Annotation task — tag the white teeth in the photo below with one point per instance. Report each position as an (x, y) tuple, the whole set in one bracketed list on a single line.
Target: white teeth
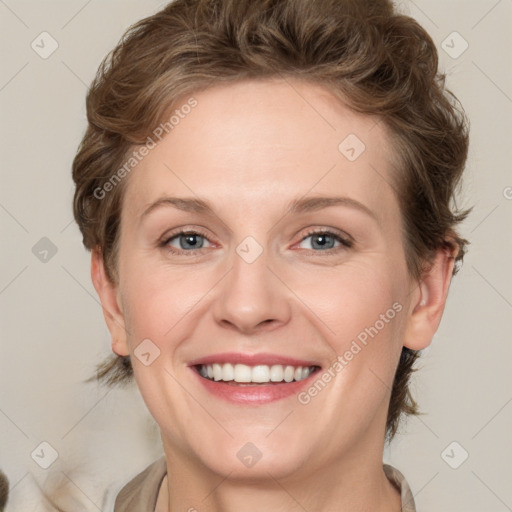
[(261, 373), (258, 374), (276, 373), (242, 373), (228, 372), (217, 372), (289, 372)]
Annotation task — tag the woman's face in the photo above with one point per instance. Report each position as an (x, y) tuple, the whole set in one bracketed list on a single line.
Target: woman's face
[(252, 291)]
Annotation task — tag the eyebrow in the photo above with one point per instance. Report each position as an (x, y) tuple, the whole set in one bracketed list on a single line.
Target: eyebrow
[(302, 205), (312, 204), (187, 204)]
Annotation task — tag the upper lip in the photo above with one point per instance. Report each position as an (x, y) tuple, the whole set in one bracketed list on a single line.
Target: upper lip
[(252, 359)]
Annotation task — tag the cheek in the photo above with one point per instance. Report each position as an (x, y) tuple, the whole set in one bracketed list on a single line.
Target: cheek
[(158, 299), (350, 298), (362, 312), (158, 307)]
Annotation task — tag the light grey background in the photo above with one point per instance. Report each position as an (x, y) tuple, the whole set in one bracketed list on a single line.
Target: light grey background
[(52, 328)]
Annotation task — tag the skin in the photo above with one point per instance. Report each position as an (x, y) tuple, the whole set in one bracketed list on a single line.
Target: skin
[(249, 148)]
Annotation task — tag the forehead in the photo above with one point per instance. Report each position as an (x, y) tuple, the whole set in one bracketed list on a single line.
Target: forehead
[(257, 142)]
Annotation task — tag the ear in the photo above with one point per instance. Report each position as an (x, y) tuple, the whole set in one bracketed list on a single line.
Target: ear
[(429, 299), (108, 294)]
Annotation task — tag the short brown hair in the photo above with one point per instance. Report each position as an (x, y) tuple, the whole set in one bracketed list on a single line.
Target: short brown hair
[(379, 61)]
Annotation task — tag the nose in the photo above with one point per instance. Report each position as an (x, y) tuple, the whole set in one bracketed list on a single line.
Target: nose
[(252, 297)]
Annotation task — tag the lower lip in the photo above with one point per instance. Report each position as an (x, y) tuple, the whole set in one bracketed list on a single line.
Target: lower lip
[(253, 394)]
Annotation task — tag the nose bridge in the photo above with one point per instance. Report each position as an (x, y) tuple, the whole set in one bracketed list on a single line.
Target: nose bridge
[(251, 294)]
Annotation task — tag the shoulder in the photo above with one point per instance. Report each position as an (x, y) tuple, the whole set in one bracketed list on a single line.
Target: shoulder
[(401, 484), (141, 492)]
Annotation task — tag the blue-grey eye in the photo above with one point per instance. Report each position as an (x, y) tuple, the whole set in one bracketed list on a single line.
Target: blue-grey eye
[(324, 240), (187, 241)]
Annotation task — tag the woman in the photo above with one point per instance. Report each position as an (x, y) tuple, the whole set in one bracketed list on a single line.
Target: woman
[(266, 189)]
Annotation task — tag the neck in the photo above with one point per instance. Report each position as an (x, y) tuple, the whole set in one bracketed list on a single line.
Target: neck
[(357, 483)]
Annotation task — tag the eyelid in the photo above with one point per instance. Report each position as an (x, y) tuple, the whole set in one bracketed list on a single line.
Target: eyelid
[(345, 237), (182, 231)]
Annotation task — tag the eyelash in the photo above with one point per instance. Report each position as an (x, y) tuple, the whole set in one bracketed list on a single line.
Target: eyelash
[(346, 243)]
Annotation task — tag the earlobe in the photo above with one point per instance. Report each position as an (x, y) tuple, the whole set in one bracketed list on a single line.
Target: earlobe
[(108, 295), (429, 301)]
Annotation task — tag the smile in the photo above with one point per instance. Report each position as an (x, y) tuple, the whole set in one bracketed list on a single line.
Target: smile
[(258, 374), (253, 379)]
